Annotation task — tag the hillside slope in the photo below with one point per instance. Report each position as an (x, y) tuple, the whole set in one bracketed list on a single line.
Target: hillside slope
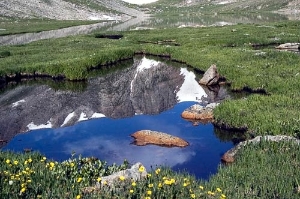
[(67, 9)]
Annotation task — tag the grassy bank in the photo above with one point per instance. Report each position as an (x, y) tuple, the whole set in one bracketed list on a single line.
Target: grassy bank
[(267, 170)]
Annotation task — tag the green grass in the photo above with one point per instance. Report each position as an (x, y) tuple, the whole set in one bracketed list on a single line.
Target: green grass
[(266, 170), (254, 175), (31, 175)]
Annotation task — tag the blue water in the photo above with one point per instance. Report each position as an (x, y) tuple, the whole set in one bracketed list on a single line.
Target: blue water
[(110, 140)]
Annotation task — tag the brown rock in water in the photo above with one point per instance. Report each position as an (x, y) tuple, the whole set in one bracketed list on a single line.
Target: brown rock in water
[(198, 112), (210, 77), (145, 137)]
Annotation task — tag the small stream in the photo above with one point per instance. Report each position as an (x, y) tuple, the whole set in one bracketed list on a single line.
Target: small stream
[(98, 119)]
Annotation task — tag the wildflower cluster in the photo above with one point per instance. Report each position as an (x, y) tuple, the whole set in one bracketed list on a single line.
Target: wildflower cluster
[(34, 176)]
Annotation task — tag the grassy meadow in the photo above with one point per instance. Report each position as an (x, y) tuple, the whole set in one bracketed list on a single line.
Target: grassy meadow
[(265, 170)]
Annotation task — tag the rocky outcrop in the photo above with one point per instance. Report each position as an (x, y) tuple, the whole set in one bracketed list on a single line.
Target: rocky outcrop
[(210, 77), (198, 112), (145, 137), (228, 157)]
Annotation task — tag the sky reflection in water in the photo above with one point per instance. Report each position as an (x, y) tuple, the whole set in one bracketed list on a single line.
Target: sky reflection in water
[(110, 140)]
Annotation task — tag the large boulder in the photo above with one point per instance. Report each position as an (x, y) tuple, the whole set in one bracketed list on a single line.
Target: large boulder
[(210, 77), (145, 137), (198, 112)]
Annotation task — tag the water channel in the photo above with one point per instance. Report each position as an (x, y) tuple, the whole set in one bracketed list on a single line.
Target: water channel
[(98, 119)]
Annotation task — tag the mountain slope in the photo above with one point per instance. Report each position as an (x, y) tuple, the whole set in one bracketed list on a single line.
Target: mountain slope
[(67, 10)]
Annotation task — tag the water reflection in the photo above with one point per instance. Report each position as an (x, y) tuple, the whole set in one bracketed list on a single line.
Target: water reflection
[(146, 87), (109, 139)]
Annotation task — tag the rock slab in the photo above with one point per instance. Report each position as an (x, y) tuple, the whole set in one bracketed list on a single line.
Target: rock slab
[(145, 137), (210, 77), (198, 112)]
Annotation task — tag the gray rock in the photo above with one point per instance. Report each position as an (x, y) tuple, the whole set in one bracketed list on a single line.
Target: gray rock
[(133, 174), (211, 76)]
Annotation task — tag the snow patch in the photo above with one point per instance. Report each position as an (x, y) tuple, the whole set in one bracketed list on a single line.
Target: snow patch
[(32, 126), (190, 89), (98, 115), (68, 118), (18, 103), (82, 117)]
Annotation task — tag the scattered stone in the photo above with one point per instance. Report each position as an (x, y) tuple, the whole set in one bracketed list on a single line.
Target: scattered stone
[(145, 137), (198, 112), (211, 76), (134, 173), (289, 46), (228, 157)]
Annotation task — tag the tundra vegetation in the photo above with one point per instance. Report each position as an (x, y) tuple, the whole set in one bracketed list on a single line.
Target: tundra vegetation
[(245, 56)]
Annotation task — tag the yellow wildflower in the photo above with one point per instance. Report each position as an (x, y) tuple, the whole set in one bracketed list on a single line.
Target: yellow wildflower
[(26, 162), (149, 192), (172, 181), (133, 184), (193, 196), (160, 185), (185, 184), (52, 164), (201, 187), (223, 196), (147, 197), (219, 190), (157, 171), (99, 179), (23, 185), (16, 162), (79, 179), (39, 196), (141, 169), (131, 191), (149, 175), (29, 180), (23, 190), (29, 160), (7, 161), (150, 185), (122, 178), (72, 164), (78, 196)]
